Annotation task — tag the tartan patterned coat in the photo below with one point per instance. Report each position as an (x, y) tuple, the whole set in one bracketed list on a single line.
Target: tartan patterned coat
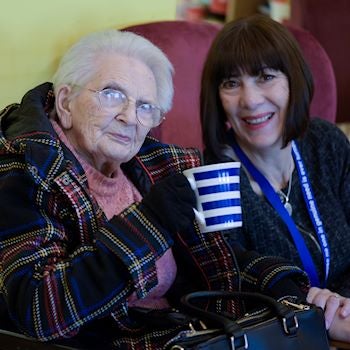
[(65, 267)]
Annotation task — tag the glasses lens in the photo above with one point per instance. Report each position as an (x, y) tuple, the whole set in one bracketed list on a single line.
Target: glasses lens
[(149, 115), (111, 98)]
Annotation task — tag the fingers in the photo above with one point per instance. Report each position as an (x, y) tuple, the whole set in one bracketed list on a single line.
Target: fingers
[(332, 305), (340, 328), (344, 307), (328, 301), (320, 296), (313, 291)]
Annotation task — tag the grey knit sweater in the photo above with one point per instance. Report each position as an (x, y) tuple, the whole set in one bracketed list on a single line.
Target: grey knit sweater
[(326, 154)]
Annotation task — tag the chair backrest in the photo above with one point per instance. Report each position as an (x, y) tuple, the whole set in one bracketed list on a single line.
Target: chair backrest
[(324, 102), (187, 43), (328, 21)]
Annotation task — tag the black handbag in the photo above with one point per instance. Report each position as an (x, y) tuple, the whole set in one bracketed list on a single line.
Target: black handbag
[(280, 325)]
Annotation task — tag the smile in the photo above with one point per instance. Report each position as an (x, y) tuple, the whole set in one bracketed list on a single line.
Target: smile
[(260, 120)]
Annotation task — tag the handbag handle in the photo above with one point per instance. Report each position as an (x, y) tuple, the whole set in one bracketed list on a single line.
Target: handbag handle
[(285, 314)]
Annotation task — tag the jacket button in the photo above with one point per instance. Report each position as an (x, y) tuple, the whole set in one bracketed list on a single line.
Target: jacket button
[(66, 180), (33, 170)]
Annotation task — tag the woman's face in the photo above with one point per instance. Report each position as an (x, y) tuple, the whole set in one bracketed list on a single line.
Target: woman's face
[(108, 137), (256, 107)]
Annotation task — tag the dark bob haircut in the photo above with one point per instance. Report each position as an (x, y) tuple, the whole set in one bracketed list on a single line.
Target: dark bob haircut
[(247, 45)]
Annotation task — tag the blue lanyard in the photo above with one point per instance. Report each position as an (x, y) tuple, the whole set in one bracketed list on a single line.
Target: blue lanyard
[(275, 201), (310, 201)]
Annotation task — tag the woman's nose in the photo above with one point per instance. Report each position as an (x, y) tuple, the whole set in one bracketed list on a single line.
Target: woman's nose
[(251, 96), (128, 113)]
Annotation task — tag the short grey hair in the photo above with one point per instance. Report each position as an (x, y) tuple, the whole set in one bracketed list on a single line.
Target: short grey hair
[(77, 66)]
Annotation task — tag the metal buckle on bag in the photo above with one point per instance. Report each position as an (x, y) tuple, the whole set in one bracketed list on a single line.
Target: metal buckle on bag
[(232, 339), (299, 306), (285, 326), (193, 328)]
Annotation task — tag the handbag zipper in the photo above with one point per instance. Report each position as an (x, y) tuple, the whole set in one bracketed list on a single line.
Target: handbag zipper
[(188, 335), (296, 306), (264, 314), (252, 318)]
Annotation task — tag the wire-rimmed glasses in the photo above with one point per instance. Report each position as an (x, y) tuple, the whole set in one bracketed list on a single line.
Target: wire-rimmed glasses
[(147, 114)]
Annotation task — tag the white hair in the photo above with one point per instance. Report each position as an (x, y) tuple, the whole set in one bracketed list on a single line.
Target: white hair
[(78, 64)]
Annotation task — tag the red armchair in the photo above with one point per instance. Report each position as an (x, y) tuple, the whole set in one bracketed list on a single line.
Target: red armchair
[(186, 45), (328, 21)]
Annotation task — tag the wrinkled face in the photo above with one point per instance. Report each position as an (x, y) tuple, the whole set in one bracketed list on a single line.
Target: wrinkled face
[(107, 137), (256, 107)]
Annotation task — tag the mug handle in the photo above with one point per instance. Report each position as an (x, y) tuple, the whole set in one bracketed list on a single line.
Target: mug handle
[(192, 183), (199, 216)]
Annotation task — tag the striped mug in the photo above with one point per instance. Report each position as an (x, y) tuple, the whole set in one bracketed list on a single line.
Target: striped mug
[(217, 189)]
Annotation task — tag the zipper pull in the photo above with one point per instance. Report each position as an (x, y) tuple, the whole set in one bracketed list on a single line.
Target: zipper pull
[(296, 306)]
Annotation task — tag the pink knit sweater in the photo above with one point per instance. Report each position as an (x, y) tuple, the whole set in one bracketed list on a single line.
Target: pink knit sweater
[(114, 194)]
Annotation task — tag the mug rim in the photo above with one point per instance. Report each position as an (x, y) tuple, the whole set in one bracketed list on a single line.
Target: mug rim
[(216, 166)]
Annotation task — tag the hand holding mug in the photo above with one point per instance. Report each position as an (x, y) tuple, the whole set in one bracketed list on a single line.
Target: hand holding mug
[(171, 202)]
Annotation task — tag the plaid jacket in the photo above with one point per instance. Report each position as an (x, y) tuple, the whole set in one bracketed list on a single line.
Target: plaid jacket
[(64, 265)]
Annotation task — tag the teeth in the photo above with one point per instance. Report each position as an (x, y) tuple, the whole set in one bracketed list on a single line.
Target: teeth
[(259, 120)]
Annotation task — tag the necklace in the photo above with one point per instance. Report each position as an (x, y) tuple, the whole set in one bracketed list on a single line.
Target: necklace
[(285, 197)]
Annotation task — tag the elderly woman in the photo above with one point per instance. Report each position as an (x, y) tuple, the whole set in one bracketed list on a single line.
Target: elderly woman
[(255, 98), (97, 218)]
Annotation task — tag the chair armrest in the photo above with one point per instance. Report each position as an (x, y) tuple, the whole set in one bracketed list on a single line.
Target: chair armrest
[(339, 344)]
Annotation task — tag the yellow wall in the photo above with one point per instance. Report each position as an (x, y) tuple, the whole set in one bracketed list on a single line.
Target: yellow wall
[(35, 33)]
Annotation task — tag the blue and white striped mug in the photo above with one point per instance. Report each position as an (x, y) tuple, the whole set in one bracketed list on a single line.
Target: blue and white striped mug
[(217, 189)]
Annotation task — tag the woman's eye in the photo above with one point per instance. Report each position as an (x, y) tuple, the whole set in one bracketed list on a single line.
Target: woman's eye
[(146, 107), (113, 94), (267, 77), (268, 74), (229, 84)]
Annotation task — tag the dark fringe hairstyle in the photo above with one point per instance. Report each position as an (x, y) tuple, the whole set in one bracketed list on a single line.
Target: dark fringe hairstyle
[(247, 45)]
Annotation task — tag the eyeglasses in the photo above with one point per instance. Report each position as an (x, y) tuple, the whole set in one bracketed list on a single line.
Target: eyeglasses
[(147, 114)]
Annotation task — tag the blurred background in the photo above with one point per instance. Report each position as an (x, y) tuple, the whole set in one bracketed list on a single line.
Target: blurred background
[(34, 34)]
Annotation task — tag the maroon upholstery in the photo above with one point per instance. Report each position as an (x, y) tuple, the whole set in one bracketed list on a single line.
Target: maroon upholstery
[(324, 103), (186, 45), (329, 22)]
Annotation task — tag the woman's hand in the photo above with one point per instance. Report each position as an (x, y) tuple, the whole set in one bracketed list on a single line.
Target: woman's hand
[(340, 327), (335, 306), (171, 202)]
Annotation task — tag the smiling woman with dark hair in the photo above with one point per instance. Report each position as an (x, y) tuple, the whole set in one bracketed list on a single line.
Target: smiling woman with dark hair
[(249, 46), (295, 187)]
